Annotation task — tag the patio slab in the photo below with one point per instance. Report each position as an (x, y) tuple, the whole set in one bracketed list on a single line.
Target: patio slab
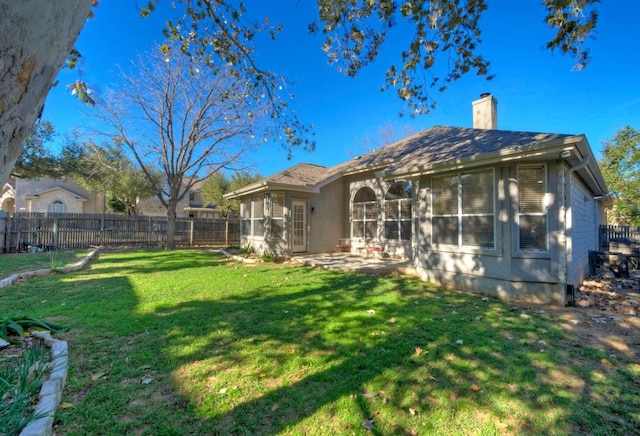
[(365, 265)]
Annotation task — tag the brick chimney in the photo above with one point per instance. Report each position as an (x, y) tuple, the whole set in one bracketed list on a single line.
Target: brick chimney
[(485, 112)]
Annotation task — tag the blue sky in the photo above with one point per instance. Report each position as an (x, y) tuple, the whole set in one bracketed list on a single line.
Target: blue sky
[(536, 89)]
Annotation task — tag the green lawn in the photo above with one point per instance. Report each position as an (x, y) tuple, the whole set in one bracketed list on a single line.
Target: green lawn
[(23, 262), (185, 342)]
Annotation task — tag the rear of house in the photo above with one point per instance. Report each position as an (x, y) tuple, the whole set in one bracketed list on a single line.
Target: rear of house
[(511, 214)]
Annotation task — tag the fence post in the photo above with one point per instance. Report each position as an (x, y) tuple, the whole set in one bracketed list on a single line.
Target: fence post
[(55, 233), (226, 233), (191, 229), (4, 219), (149, 230)]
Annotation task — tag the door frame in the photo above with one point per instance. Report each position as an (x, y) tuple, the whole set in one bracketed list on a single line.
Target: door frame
[(304, 247)]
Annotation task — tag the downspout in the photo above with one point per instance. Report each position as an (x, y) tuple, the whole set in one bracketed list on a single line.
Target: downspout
[(563, 273)]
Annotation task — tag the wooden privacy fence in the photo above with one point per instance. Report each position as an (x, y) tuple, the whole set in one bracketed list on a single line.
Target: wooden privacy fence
[(608, 234), (61, 231)]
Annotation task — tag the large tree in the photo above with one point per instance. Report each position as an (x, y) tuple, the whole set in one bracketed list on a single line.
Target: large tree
[(35, 38), (171, 114), (443, 45), (108, 169), (621, 170)]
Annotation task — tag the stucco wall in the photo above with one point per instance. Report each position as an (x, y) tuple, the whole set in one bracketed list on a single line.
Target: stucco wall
[(326, 218), (44, 192)]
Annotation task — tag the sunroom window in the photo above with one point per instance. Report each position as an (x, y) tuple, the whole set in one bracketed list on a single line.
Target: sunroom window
[(253, 216), (397, 212), (277, 215), (532, 214), (464, 209), (364, 214)]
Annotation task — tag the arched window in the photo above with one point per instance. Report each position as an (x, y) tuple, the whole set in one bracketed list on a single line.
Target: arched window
[(364, 214), (57, 206), (397, 212)]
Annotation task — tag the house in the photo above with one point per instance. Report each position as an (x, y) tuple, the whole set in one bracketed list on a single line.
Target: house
[(66, 196), (191, 206), (51, 195), (505, 213)]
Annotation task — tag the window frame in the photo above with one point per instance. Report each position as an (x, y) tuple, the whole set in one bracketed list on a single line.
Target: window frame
[(458, 217), (370, 214), (543, 214), (400, 218), (269, 201)]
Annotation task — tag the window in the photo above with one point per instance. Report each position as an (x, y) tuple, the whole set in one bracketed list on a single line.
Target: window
[(252, 221), (397, 212), (532, 215), (245, 217), (57, 206), (277, 214), (463, 209), (364, 214)]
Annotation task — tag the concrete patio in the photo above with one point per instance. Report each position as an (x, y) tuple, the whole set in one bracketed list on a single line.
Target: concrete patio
[(359, 264)]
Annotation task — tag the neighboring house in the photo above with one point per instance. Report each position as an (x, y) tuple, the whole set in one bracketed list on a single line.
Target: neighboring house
[(51, 195), (8, 197), (512, 214), (190, 206)]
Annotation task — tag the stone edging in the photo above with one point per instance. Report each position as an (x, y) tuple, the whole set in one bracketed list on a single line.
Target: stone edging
[(240, 258), (14, 278), (51, 391)]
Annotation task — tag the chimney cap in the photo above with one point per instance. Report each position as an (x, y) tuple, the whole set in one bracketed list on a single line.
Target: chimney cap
[(485, 94)]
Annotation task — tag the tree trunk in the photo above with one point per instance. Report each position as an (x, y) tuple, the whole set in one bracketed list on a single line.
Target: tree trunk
[(35, 38), (171, 228)]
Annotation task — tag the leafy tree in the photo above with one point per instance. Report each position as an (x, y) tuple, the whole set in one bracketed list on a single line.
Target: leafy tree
[(106, 168), (621, 170), (218, 184), (173, 115), (442, 47), (37, 160)]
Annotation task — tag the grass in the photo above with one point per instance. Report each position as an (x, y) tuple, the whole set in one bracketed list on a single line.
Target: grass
[(23, 262), (184, 342)]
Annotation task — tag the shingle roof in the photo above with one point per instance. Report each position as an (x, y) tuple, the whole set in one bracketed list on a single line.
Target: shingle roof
[(442, 143), (436, 145), (300, 174)]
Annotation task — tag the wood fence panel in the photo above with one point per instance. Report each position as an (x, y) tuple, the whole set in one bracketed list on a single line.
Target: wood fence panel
[(64, 231), (609, 233)]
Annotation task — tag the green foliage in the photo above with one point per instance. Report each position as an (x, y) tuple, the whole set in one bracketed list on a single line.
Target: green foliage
[(20, 382), (442, 43), (17, 325), (37, 160), (217, 184), (621, 170), (107, 168)]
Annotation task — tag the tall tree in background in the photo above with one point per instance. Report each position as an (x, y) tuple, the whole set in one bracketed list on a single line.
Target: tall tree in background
[(36, 36), (107, 169), (621, 170), (218, 184), (385, 135), (174, 116)]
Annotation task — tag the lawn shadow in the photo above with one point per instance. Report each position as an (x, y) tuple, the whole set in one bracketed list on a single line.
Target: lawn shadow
[(355, 346)]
